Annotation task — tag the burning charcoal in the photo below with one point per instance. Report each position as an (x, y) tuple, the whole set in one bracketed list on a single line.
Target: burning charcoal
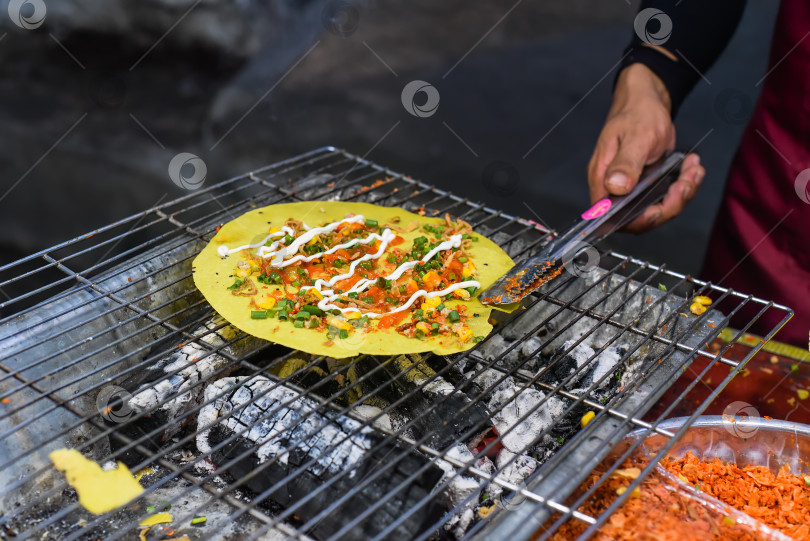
[(597, 365), (151, 389), (279, 431), (460, 486), (519, 435), (431, 405)]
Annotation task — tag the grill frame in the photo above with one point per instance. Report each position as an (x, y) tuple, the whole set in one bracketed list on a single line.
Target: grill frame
[(259, 185)]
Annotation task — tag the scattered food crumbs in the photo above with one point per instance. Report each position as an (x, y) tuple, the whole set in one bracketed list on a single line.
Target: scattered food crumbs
[(6, 400), (587, 418), (730, 521), (157, 518), (774, 359), (145, 471), (99, 491), (484, 512), (198, 520), (803, 394), (142, 535), (794, 367)]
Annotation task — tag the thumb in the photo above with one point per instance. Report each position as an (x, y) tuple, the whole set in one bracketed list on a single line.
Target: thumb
[(623, 172)]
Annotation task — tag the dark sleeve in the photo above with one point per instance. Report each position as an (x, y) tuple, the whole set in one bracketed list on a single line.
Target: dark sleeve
[(694, 31)]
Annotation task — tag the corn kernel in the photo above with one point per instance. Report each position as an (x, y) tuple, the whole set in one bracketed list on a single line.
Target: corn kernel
[(464, 333), (462, 294), (635, 494), (431, 279), (266, 302), (312, 292), (424, 327), (242, 273), (274, 230), (353, 315), (431, 303), (587, 418), (339, 323), (468, 269), (697, 308), (702, 299)]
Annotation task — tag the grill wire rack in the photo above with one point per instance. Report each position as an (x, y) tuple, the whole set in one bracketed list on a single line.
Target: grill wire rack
[(84, 325)]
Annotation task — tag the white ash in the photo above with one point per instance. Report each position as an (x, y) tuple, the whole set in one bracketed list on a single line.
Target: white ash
[(276, 430), (193, 363), (486, 465), (460, 486), (368, 412), (511, 404), (516, 467), (599, 366), (459, 523)]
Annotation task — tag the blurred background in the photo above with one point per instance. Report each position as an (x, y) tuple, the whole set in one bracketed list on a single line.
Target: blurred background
[(97, 97)]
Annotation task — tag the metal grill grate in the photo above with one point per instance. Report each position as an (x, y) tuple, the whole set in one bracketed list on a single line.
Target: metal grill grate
[(93, 322)]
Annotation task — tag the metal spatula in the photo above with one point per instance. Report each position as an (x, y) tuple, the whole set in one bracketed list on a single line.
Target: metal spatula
[(596, 223)]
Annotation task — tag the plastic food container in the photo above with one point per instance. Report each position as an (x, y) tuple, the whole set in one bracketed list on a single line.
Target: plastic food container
[(746, 441)]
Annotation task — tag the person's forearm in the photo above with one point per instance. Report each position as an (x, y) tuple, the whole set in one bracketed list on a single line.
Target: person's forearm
[(638, 83), (700, 30)]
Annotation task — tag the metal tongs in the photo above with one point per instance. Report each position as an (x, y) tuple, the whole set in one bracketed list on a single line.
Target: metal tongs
[(603, 218)]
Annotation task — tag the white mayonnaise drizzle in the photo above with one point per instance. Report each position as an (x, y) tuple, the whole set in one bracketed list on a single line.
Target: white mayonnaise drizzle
[(328, 294), (223, 250)]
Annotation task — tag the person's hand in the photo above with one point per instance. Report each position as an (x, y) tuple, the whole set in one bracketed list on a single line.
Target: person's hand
[(638, 132)]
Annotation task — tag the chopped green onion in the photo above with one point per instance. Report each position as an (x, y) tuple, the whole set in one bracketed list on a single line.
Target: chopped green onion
[(343, 334), (282, 316), (314, 310), (274, 277), (335, 312), (419, 241), (367, 265), (301, 315), (338, 263), (434, 325), (465, 236), (419, 333), (353, 295), (662, 287), (390, 300), (198, 520), (475, 239), (472, 290), (402, 290), (462, 259), (288, 239), (236, 283), (368, 300), (330, 336), (298, 324), (478, 338), (301, 272), (258, 314), (453, 316), (392, 258), (371, 223), (440, 307), (150, 508), (419, 312), (296, 283)]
